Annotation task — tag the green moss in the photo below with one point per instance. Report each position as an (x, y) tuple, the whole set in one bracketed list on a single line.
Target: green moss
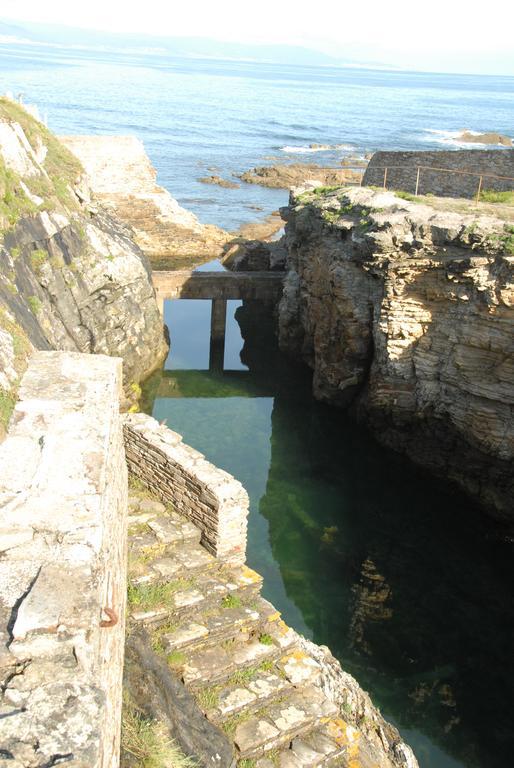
[(62, 168), (176, 659), (7, 403), (265, 639), (34, 304), (14, 203), (38, 258), (231, 601), (320, 191), (406, 196)]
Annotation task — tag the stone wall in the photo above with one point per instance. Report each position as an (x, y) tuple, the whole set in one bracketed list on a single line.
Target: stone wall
[(211, 498), (63, 495), (489, 162)]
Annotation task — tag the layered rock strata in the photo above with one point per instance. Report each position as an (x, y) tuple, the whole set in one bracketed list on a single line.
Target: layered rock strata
[(63, 497), (122, 176), (71, 277), (406, 313)]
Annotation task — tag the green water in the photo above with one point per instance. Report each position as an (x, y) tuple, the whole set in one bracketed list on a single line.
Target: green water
[(406, 582)]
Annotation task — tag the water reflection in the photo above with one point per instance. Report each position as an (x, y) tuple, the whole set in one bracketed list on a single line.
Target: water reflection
[(397, 573)]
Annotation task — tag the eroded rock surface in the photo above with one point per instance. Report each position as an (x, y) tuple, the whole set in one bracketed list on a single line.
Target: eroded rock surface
[(63, 498), (122, 176), (71, 277), (407, 314)]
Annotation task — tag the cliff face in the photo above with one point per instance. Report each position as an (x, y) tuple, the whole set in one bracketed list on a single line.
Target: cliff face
[(70, 276), (406, 313), (122, 177)]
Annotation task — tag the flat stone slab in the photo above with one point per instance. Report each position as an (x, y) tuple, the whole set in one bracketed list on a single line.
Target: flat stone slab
[(300, 668), (208, 665), (254, 735)]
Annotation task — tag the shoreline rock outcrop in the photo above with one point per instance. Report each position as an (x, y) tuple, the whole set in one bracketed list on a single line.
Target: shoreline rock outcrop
[(122, 177), (295, 174), (406, 315), (485, 138)]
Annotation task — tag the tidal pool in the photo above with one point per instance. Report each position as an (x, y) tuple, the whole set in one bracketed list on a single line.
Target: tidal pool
[(399, 574)]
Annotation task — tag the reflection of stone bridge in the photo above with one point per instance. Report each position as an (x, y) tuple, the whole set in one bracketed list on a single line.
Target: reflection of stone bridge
[(219, 287)]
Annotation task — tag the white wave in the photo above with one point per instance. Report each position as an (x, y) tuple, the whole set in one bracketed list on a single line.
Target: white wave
[(306, 149), (452, 139)]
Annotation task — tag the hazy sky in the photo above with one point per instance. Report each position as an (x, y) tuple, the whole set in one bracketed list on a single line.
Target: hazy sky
[(441, 34)]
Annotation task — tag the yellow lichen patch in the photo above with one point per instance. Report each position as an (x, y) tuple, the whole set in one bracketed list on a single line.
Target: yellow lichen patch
[(282, 627), (295, 655), (274, 616), (249, 576)]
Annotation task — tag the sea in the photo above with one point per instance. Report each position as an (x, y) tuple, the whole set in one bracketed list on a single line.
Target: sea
[(400, 575), (199, 117)]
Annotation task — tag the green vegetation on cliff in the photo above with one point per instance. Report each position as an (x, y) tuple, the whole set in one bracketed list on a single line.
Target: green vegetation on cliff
[(56, 170)]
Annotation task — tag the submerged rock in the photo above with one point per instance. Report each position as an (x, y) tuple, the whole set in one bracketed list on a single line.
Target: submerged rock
[(485, 138), (288, 176), (219, 181), (406, 314)]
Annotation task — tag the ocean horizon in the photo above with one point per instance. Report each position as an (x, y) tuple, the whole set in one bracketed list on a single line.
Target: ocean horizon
[(198, 117)]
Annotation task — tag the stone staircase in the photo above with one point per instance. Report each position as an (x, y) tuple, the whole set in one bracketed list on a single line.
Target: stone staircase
[(230, 648)]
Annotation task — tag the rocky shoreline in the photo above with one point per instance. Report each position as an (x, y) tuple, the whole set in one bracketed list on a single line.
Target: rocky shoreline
[(406, 315), (287, 176)]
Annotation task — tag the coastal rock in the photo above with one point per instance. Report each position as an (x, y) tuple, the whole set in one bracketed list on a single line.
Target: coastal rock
[(122, 176), (256, 256), (71, 277), (406, 314), (485, 138), (288, 176), (219, 181)]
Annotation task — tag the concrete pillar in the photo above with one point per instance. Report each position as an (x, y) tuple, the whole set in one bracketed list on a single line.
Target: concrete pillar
[(218, 323)]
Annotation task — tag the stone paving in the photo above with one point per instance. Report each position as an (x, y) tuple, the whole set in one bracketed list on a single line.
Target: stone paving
[(231, 649)]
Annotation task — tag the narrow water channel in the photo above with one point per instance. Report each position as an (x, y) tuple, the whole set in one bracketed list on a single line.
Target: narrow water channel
[(404, 580)]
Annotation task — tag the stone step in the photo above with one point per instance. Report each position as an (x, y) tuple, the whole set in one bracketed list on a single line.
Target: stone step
[(168, 526), (330, 744), (219, 663), (248, 690), (279, 722), (165, 594), (220, 624)]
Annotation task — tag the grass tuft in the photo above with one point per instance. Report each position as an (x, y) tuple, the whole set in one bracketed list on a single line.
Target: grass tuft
[(491, 196), (146, 740), (149, 596), (208, 698), (231, 601)]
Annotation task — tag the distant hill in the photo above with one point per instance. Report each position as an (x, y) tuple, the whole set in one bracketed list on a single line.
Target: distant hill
[(174, 46)]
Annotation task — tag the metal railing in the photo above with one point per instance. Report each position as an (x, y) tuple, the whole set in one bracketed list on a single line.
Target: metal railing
[(420, 168)]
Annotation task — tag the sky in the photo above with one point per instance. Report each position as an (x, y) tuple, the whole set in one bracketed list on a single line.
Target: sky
[(442, 35)]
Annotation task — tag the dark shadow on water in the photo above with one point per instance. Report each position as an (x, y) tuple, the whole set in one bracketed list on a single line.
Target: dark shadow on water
[(399, 574)]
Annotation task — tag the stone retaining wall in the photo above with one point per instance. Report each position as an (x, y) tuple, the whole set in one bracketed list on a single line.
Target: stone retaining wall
[(211, 498), (63, 498), (496, 162)]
